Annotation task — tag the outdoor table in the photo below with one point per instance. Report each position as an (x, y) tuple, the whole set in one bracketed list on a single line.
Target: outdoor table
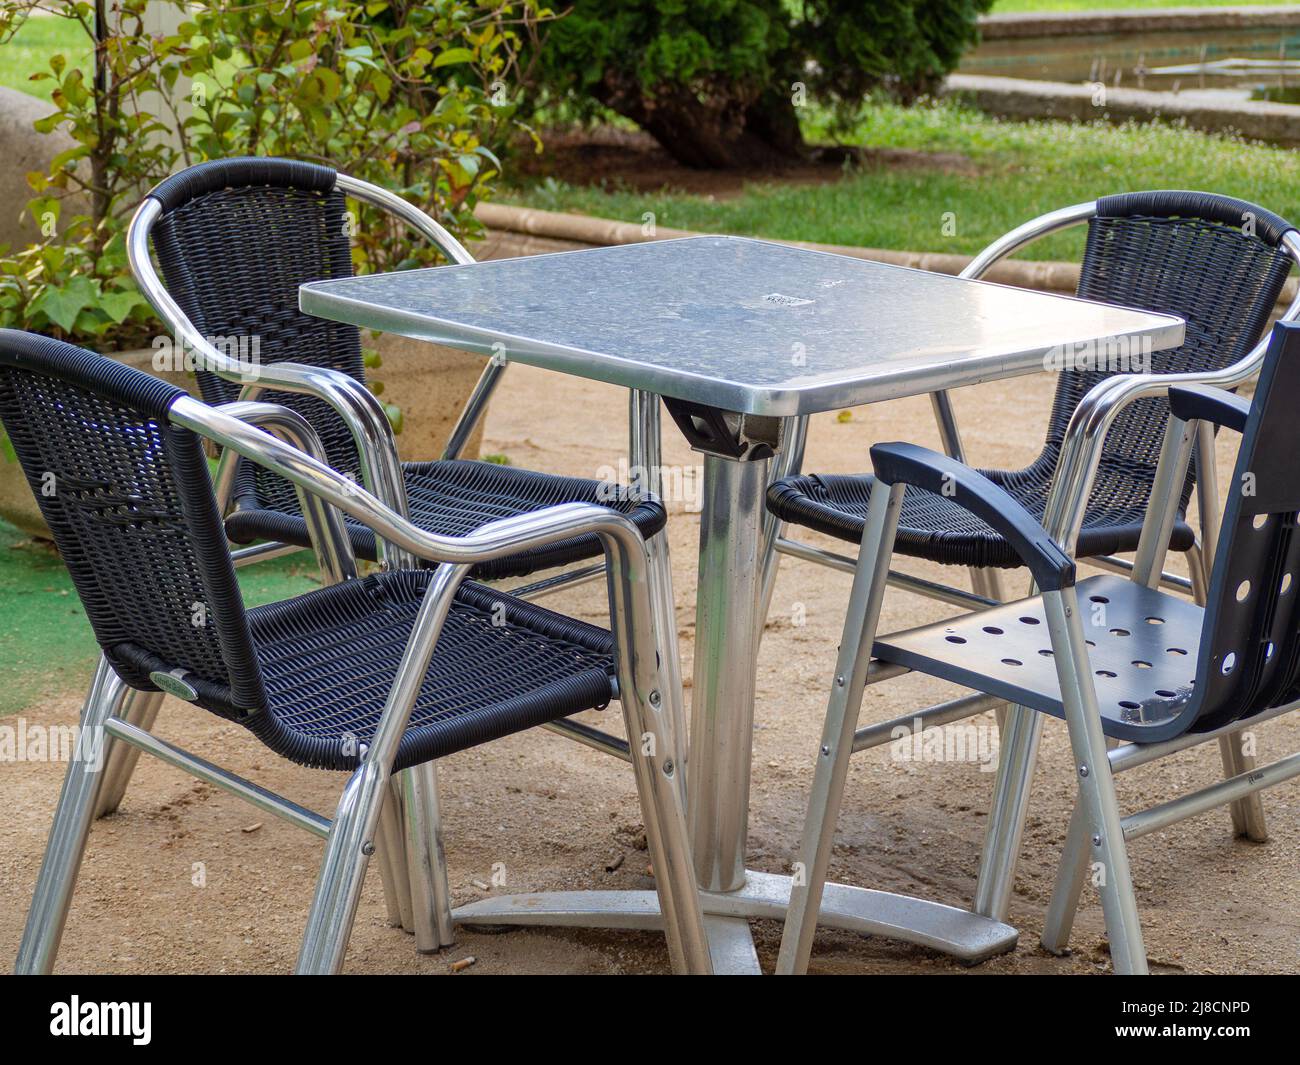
[(743, 339)]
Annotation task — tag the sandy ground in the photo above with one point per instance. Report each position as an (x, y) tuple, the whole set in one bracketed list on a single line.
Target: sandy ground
[(554, 815)]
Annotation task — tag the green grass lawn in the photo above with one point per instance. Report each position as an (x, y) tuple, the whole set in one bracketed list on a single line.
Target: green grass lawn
[(1017, 170), (1003, 6), (46, 646), (30, 50)]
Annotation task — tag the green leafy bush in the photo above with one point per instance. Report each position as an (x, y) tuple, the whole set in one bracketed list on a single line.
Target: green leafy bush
[(720, 82), (74, 283), (414, 97)]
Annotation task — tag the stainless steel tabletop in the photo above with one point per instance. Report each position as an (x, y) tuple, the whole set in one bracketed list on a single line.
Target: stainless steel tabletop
[(743, 325)]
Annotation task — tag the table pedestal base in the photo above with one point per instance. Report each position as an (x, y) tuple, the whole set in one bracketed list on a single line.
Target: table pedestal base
[(959, 933)]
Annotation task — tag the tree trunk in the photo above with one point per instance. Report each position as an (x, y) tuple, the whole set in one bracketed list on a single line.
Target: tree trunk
[(715, 127)]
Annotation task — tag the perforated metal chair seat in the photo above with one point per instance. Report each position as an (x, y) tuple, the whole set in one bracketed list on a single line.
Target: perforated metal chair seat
[(937, 529), (501, 665), (456, 497), (1142, 645)]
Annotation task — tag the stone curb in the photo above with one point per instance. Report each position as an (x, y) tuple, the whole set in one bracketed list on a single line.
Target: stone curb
[(514, 231), (1028, 24)]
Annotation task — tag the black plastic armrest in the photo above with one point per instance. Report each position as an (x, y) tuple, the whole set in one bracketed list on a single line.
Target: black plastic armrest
[(1206, 404), (900, 463)]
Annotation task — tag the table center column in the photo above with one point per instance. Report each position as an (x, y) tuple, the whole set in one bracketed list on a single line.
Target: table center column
[(722, 699)]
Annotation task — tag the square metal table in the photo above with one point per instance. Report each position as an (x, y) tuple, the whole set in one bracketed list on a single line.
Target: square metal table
[(743, 339)]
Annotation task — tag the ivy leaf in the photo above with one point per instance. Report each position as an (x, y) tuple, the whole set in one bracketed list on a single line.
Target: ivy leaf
[(62, 305), (119, 305)]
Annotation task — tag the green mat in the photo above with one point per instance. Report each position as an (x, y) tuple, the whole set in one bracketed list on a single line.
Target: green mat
[(46, 646)]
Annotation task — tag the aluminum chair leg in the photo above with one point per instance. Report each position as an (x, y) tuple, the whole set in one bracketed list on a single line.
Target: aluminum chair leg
[(663, 811), (1071, 874), (140, 709), (1017, 760), (1107, 850), (1196, 568), (338, 885), (645, 447), (430, 893), (72, 819), (670, 656), (1248, 812), (390, 849), (351, 839), (809, 882)]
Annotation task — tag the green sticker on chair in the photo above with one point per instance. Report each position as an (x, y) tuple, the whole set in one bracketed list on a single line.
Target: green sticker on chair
[(174, 683)]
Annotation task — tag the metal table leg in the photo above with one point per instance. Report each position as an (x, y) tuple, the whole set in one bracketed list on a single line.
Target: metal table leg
[(722, 701), (722, 716), (954, 931)]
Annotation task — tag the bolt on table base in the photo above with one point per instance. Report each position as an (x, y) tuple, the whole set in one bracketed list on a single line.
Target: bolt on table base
[(959, 933)]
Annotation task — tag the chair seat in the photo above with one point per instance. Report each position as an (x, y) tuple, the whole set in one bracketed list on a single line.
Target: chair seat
[(1142, 646), (935, 528), (455, 497), (500, 666)]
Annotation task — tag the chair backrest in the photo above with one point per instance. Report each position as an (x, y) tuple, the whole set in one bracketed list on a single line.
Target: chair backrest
[(129, 500), (235, 239), (1250, 644), (1214, 261)]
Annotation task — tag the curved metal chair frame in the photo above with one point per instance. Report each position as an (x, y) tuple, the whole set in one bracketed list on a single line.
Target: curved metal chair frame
[(381, 474), (651, 702)]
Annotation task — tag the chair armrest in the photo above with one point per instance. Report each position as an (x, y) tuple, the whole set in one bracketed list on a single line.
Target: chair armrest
[(1202, 403), (360, 410), (505, 536), (901, 463), (1085, 436), (356, 405)]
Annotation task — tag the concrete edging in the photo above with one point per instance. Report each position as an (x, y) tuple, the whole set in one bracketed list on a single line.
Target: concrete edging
[(1023, 98), (530, 231), (518, 231), (1028, 24)]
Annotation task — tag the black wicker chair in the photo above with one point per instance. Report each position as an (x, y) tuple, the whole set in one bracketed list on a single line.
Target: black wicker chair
[(1216, 262), (235, 238), (367, 676), (1119, 659)]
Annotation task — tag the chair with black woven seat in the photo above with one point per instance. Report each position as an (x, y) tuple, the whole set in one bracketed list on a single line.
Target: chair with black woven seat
[(235, 238), (369, 676), (1120, 660), (1220, 264)]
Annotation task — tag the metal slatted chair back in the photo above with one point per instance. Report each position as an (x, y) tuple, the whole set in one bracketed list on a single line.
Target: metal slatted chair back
[(235, 240), (1214, 261), (1250, 644), (129, 500)]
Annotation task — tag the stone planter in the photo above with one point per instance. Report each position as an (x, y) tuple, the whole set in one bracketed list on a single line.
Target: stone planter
[(17, 504), (24, 150), (431, 385)]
